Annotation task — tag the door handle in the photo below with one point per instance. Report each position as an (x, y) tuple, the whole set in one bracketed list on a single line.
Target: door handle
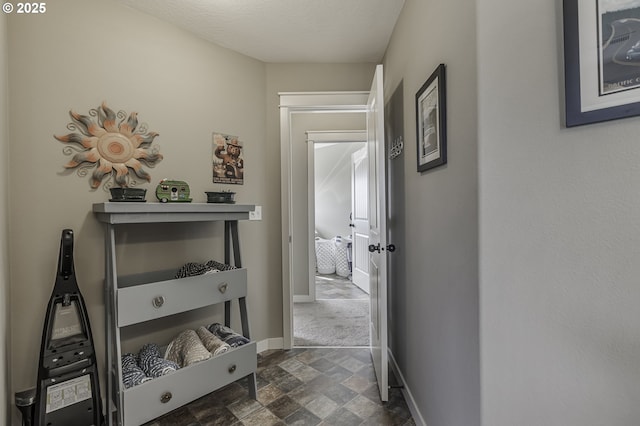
[(390, 248)]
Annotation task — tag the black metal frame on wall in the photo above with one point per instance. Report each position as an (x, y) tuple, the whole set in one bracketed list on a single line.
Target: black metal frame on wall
[(602, 79), (431, 121)]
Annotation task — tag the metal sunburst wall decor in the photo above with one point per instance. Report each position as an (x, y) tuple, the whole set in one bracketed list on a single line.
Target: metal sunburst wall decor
[(113, 144)]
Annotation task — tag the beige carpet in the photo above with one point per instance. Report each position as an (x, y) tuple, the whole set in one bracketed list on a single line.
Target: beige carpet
[(331, 323)]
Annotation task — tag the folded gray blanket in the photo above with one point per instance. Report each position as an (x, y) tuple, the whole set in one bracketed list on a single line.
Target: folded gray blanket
[(152, 363), (212, 264), (227, 335), (132, 374), (193, 268)]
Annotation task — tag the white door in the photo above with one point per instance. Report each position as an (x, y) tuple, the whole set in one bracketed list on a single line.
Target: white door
[(360, 219), (377, 233)]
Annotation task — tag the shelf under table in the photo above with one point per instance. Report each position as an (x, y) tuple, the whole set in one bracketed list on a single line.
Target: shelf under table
[(156, 397)]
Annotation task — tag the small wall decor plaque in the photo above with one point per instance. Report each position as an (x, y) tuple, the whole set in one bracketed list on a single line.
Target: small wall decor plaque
[(112, 144), (228, 163)]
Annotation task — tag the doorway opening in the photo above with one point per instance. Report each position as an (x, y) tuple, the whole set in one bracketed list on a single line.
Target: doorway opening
[(372, 105), (299, 113), (334, 311)]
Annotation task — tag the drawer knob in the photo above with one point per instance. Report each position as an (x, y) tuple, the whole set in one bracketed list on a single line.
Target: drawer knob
[(232, 369), (158, 301), (166, 397), (223, 287)]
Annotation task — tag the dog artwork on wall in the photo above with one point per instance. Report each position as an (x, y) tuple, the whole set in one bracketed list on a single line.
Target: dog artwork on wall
[(228, 163)]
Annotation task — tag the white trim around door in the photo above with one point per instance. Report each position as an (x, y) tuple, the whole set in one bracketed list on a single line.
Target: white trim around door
[(292, 103), (313, 137)]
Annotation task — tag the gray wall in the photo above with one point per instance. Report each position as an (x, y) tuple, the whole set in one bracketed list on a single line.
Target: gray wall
[(434, 311), (4, 186), (559, 236)]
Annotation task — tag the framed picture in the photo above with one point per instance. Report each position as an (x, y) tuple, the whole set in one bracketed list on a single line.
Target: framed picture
[(228, 162), (601, 60), (431, 121)]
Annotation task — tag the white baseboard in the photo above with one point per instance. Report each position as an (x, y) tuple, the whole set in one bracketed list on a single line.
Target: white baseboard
[(303, 298), (408, 397), (271, 343)]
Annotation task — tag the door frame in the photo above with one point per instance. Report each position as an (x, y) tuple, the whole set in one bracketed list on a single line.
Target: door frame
[(314, 137), (293, 103)]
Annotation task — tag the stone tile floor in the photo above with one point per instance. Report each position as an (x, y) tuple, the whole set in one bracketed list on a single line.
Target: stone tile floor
[(301, 386)]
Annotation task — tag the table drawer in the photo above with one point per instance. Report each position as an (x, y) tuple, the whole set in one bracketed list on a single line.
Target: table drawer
[(156, 397), (152, 300)]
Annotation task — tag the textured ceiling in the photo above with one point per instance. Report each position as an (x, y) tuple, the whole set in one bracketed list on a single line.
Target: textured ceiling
[(326, 31)]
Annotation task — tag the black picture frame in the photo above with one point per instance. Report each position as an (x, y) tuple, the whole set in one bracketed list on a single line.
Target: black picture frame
[(588, 97), (431, 120)]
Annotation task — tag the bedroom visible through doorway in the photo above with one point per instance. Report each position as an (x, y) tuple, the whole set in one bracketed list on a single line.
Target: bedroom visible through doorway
[(337, 313)]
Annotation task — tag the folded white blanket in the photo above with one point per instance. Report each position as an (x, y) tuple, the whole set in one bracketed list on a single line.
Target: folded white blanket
[(212, 342), (187, 349)]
